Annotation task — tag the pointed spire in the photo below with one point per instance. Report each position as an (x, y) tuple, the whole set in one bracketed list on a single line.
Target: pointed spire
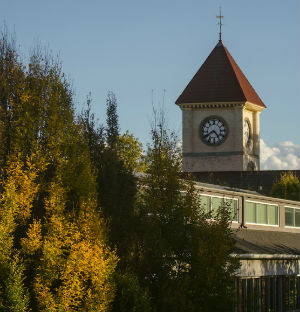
[(219, 79), (220, 24)]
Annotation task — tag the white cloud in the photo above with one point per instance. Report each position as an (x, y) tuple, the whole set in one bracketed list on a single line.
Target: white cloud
[(282, 156)]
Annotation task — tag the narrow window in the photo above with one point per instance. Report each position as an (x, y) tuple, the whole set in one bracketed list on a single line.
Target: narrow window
[(216, 203), (273, 215), (250, 212), (297, 217), (232, 206), (289, 216), (205, 203), (262, 216)]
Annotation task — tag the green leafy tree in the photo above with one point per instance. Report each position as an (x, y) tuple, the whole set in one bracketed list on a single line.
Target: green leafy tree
[(287, 187), (130, 296), (130, 151), (183, 257)]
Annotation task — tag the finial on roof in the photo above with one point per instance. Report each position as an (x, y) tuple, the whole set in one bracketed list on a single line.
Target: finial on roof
[(220, 24)]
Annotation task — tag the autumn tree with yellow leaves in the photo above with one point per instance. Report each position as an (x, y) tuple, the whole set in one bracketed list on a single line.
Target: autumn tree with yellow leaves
[(62, 263), (54, 254)]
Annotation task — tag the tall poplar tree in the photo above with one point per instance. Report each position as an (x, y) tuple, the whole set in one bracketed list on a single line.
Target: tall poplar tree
[(116, 184)]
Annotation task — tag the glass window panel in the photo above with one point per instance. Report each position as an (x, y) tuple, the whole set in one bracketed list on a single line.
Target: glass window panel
[(297, 217), (232, 205), (273, 214), (289, 216), (250, 212), (216, 203), (262, 216), (205, 203)]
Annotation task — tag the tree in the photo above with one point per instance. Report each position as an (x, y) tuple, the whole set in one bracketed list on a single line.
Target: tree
[(112, 124), (287, 187), (182, 257), (18, 192), (54, 254), (130, 151), (62, 263), (37, 116), (130, 296), (115, 158), (116, 184), (74, 270), (11, 80)]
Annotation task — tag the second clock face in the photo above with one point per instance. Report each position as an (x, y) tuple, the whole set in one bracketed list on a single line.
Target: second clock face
[(213, 130), (246, 132)]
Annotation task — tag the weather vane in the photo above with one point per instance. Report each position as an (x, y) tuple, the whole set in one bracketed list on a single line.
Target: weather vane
[(220, 24)]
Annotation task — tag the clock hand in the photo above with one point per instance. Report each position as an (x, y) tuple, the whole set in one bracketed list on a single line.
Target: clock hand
[(213, 131)]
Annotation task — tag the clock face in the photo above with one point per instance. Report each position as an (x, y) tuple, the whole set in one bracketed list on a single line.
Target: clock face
[(213, 130), (246, 132)]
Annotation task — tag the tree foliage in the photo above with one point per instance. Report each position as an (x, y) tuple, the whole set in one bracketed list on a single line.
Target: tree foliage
[(37, 116), (65, 258), (287, 187), (183, 257), (54, 254), (75, 268), (18, 192), (130, 151)]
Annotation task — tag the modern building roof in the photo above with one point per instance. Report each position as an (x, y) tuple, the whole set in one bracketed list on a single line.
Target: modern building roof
[(219, 79), (266, 242)]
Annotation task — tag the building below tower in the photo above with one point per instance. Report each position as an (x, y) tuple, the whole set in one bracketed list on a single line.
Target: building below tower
[(267, 235)]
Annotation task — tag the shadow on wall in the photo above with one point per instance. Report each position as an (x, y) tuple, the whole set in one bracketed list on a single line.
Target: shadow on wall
[(268, 267)]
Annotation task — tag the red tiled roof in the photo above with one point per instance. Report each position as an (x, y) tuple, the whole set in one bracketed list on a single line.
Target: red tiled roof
[(219, 79)]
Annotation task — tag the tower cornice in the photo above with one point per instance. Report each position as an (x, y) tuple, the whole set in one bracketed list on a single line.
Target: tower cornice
[(211, 105)]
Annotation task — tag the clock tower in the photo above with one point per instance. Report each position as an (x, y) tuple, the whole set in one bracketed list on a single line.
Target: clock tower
[(220, 117)]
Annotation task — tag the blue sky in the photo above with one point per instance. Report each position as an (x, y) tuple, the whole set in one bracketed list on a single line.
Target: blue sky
[(132, 47)]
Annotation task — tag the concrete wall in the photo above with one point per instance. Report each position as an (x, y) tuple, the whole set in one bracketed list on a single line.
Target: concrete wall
[(197, 162), (232, 154), (268, 267), (251, 151), (198, 156)]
